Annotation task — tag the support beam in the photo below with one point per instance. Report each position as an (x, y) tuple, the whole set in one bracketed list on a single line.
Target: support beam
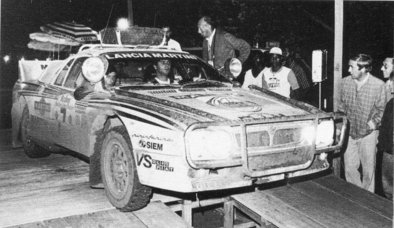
[(130, 12), (338, 53)]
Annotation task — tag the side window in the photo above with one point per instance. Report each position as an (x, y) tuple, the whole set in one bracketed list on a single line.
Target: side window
[(63, 73), (75, 73)]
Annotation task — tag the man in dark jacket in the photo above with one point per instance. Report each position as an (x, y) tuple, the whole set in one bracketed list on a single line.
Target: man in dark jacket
[(218, 45), (385, 145)]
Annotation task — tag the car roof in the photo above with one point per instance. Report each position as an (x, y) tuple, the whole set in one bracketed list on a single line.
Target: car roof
[(98, 49)]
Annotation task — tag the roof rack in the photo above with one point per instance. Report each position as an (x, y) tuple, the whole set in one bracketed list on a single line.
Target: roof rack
[(138, 46)]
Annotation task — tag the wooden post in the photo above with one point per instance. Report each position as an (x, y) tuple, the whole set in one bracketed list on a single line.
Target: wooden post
[(130, 12), (228, 214), (187, 211), (338, 52)]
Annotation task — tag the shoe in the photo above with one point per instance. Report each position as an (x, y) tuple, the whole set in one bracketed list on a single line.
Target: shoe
[(97, 186)]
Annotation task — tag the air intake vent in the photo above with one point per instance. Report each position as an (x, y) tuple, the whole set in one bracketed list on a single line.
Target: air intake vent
[(163, 91)]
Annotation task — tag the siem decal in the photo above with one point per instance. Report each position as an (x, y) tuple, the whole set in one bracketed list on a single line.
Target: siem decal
[(147, 161), (150, 145)]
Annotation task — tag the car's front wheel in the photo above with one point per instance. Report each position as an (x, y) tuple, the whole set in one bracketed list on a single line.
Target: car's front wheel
[(32, 150), (119, 172)]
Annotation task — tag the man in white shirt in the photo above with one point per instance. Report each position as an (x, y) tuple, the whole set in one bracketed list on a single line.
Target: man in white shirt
[(280, 79), (254, 76), (167, 41)]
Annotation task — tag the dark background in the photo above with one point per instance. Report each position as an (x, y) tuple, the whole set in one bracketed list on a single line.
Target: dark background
[(307, 25)]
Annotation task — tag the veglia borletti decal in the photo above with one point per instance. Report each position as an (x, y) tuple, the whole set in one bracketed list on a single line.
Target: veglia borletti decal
[(152, 137), (148, 162)]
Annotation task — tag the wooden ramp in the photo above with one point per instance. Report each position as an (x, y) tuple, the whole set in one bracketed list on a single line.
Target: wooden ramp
[(54, 192), (156, 214), (324, 202)]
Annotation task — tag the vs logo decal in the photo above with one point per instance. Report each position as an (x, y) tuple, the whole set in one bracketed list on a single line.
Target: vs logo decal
[(147, 161)]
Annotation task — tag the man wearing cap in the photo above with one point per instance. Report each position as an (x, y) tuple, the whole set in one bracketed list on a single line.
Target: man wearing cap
[(218, 45), (280, 79)]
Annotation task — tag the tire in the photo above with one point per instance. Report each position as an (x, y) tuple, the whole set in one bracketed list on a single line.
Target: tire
[(32, 150), (119, 172)]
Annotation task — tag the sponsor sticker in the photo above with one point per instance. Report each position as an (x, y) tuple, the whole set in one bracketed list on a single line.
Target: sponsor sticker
[(260, 115), (150, 145), (66, 100), (191, 96), (42, 107), (132, 55), (148, 162), (152, 137), (230, 102)]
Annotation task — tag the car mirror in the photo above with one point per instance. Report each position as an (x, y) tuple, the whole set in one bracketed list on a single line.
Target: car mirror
[(94, 68)]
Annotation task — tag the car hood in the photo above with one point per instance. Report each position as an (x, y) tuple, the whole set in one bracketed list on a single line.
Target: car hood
[(213, 104)]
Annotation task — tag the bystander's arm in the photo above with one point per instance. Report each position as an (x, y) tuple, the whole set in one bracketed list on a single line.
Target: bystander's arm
[(340, 104), (295, 92), (378, 110), (239, 44)]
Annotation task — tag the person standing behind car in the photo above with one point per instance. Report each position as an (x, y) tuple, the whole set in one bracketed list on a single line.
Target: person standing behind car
[(385, 139), (299, 73), (388, 73), (280, 79), (254, 76), (168, 41), (218, 45), (362, 98)]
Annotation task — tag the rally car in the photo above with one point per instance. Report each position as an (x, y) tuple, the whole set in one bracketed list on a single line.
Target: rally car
[(202, 132)]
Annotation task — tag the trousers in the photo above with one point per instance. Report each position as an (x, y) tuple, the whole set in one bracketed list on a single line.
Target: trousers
[(360, 161), (387, 175)]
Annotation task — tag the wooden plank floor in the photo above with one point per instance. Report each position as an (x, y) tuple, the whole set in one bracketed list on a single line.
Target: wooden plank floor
[(156, 214), (54, 192), (324, 202)]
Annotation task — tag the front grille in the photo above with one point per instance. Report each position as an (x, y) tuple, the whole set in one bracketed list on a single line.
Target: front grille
[(286, 136), (277, 145), (274, 135), (287, 158)]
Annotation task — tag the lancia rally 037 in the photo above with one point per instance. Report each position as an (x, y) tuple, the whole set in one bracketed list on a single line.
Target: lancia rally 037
[(201, 132)]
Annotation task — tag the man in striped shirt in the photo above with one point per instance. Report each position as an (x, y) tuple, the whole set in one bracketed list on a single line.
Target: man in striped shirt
[(299, 73), (362, 99)]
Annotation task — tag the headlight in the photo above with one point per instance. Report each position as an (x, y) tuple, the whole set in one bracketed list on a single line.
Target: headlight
[(323, 135), (308, 134), (212, 143)]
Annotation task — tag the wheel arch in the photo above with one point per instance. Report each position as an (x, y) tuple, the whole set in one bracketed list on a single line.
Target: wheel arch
[(16, 118), (97, 133)]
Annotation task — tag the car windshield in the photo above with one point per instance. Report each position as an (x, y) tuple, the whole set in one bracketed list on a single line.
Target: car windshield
[(151, 69)]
